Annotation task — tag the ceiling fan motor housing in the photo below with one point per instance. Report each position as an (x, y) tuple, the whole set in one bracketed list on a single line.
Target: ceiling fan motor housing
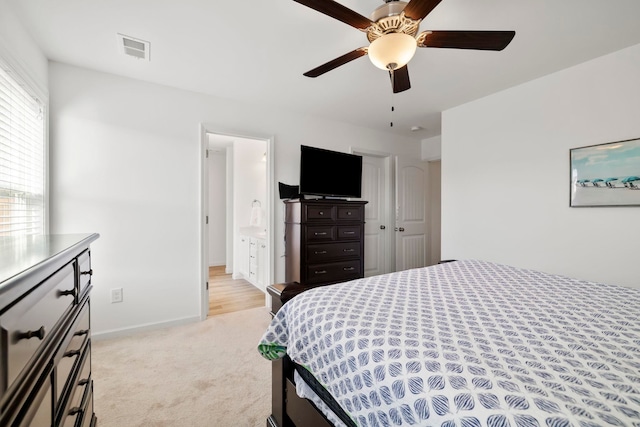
[(388, 9), (389, 18)]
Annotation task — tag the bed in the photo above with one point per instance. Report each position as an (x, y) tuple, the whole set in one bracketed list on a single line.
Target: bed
[(466, 343)]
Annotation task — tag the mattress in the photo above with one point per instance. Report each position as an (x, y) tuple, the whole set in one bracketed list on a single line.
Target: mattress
[(469, 343)]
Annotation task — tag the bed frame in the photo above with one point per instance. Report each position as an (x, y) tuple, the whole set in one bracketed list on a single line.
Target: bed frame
[(287, 408)]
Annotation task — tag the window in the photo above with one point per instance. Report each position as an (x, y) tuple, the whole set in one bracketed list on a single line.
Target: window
[(22, 158)]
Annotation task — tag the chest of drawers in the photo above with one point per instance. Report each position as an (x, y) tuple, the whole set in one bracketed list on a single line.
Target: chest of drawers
[(324, 241), (45, 333)]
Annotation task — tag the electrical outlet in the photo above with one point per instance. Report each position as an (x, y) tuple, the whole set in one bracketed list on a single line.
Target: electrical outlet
[(116, 295)]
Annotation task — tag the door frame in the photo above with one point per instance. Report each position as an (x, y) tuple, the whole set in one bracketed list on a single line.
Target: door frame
[(389, 190), (205, 129)]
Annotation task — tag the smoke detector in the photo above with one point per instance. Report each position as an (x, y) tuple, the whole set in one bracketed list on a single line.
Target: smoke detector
[(131, 46)]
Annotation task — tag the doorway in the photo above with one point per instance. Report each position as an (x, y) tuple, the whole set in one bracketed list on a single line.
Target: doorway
[(236, 200)]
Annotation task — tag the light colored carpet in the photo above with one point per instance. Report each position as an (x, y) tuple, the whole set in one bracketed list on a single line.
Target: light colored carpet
[(202, 374)]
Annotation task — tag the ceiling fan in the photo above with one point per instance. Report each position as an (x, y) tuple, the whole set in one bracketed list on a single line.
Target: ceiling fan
[(392, 31)]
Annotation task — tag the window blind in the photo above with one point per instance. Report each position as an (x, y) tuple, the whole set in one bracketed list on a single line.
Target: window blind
[(22, 159)]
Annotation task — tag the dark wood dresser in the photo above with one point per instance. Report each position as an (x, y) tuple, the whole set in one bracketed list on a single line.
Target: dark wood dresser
[(45, 333), (324, 241), (324, 244)]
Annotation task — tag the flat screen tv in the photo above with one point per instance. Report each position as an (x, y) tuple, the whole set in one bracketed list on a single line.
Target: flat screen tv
[(330, 173)]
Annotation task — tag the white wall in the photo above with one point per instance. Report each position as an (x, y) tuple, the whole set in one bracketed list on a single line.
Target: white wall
[(126, 163), (249, 179), (18, 48), (217, 207), (432, 148), (505, 173)]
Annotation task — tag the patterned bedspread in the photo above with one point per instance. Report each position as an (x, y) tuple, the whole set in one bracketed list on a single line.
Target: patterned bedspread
[(469, 343)]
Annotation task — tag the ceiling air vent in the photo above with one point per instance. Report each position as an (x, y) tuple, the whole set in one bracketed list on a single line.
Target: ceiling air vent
[(134, 47)]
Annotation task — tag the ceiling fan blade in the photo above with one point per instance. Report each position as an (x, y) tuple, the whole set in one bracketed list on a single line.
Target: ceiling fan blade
[(418, 9), (400, 79), (339, 12), (348, 57), (480, 40)]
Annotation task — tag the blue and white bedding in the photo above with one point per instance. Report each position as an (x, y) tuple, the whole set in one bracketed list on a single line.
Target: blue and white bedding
[(469, 343)]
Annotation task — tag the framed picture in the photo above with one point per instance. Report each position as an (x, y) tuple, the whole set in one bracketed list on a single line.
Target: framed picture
[(606, 174)]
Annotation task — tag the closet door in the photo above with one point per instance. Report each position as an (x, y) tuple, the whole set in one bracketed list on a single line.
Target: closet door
[(378, 228), (411, 213)]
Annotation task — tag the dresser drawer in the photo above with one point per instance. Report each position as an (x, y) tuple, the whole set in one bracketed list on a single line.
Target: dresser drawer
[(81, 386), (28, 324), (323, 252), (320, 213), (69, 353), (349, 232), (350, 213), (84, 265), (333, 272), (38, 411), (87, 411), (321, 233)]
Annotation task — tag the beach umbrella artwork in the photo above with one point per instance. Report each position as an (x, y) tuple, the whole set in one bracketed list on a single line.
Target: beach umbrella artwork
[(609, 182), (583, 182), (596, 182), (628, 181)]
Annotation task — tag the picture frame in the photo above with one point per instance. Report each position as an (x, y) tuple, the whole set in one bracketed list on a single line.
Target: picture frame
[(605, 174)]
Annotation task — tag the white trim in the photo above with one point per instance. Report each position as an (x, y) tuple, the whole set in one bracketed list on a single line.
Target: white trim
[(123, 332), (202, 226)]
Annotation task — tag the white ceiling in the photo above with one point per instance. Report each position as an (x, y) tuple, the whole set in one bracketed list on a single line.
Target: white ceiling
[(255, 51)]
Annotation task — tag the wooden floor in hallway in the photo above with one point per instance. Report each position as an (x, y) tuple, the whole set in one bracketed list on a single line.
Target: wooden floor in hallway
[(227, 295)]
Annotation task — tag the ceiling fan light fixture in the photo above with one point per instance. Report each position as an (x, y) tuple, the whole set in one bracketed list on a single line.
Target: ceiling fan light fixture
[(392, 51)]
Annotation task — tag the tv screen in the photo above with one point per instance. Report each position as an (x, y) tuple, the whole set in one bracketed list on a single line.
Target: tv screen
[(330, 173)]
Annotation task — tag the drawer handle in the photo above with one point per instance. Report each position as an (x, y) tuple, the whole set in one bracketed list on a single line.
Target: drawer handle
[(31, 334), (320, 213), (349, 232), (320, 272), (349, 213), (74, 411), (81, 332), (72, 353), (320, 252), (348, 250), (83, 382), (90, 272), (71, 292), (324, 233), (348, 268)]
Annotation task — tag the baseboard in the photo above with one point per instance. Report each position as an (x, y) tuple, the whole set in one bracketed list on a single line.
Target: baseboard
[(117, 333)]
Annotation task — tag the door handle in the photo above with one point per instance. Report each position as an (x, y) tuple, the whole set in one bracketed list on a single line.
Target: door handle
[(382, 227), (400, 229)]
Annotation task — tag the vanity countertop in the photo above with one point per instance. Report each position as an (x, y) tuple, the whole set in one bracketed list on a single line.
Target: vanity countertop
[(257, 232)]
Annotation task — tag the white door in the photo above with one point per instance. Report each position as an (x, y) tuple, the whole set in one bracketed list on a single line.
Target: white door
[(411, 213), (378, 227)]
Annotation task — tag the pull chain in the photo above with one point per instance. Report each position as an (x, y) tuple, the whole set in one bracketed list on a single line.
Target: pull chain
[(392, 91)]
